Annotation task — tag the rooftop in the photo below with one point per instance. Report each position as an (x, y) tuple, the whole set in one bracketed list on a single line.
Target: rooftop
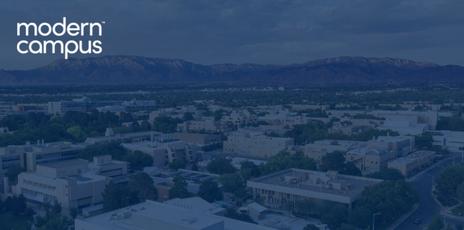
[(311, 183), (154, 215), (65, 164), (413, 157)]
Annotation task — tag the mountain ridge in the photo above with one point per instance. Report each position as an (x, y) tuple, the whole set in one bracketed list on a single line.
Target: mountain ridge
[(344, 70)]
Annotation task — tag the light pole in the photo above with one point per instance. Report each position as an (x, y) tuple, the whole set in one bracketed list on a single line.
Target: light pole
[(373, 219)]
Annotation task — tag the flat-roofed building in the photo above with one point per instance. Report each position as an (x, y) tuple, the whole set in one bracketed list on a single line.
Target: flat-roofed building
[(197, 204), (110, 136), (62, 107), (154, 215), (203, 125), (452, 141), (114, 170), (255, 144), (413, 163), (67, 183), (164, 180), (42, 153), (165, 149), (372, 156), (402, 145), (281, 190), (203, 141), (29, 155), (319, 149)]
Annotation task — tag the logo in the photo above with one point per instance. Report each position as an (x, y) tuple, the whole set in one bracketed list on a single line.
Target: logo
[(65, 38)]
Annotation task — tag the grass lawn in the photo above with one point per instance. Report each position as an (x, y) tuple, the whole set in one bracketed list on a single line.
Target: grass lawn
[(12, 222)]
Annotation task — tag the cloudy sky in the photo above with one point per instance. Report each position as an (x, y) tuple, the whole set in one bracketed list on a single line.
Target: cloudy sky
[(256, 31)]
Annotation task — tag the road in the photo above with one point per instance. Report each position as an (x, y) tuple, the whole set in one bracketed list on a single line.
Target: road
[(427, 208)]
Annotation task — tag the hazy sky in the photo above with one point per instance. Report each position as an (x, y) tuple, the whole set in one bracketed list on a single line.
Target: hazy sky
[(258, 31)]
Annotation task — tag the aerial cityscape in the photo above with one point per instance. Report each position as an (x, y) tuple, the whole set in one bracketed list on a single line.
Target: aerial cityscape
[(231, 158), (231, 115)]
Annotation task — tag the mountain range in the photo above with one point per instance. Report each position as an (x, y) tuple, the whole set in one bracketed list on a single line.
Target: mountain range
[(124, 70)]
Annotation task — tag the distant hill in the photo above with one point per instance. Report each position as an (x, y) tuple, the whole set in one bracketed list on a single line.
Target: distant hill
[(353, 71)]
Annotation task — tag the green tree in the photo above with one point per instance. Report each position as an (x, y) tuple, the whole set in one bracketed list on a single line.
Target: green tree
[(165, 124), (390, 198), (12, 173), (312, 131), (209, 190), (424, 141), (220, 165), (336, 161), (138, 160), (249, 170), (233, 183), (286, 160), (180, 163), (332, 161), (16, 205), (436, 224), (118, 195), (387, 174), (54, 222), (77, 133), (334, 215), (179, 189), (187, 116), (142, 184), (449, 180)]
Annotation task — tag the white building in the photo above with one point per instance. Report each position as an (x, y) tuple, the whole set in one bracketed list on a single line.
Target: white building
[(75, 105), (452, 141), (372, 156), (319, 149), (67, 183), (29, 155), (164, 180), (405, 122), (408, 122), (203, 141), (203, 125), (239, 118), (402, 145), (165, 149), (114, 170), (281, 190), (412, 163), (154, 215), (197, 204), (110, 136), (255, 144)]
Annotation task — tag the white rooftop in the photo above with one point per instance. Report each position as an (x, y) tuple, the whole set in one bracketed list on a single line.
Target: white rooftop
[(154, 215)]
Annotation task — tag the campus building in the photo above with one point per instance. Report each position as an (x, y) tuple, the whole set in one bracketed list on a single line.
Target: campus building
[(413, 163), (154, 215), (67, 183), (255, 144), (283, 189)]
